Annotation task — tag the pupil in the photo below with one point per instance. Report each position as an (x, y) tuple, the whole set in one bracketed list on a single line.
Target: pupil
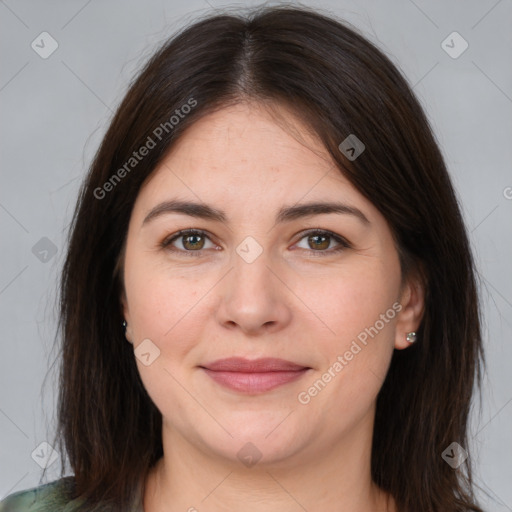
[(320, 243), (194, 244)]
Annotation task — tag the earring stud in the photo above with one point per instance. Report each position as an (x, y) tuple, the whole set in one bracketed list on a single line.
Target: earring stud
[(126, 334), (410, 337)]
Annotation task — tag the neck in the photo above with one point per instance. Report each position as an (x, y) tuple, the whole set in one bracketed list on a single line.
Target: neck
[(337, 478)]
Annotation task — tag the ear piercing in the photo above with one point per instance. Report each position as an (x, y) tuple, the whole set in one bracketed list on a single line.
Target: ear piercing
[(126, 334), (411, 337)]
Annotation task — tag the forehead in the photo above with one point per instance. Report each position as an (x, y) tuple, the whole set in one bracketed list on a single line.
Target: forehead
[(246, 142), (249, 162), (252, 129)]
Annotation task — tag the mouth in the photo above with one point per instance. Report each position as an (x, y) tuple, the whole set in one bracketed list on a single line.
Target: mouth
[(254, 376)]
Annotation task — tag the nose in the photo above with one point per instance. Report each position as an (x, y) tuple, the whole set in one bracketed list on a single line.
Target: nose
[(254, 297)]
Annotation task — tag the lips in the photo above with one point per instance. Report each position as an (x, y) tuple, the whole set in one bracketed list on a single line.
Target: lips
[(239, 364), (256, 376)]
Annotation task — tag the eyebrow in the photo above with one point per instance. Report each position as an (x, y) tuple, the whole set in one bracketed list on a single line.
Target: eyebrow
[(285, 214)]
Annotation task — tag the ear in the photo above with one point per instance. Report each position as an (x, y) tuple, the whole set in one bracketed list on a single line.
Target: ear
[(412, 300), (126, 316)]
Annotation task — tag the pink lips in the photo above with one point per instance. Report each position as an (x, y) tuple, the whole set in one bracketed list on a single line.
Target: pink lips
[(254, 376)]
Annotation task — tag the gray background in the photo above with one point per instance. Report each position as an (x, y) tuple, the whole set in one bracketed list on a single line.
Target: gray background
[(55, 111)]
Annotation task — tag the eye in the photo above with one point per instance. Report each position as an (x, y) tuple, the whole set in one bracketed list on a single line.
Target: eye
[(192, 242), (319, 241)]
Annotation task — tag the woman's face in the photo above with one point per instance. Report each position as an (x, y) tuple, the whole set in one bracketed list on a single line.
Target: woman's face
[(262, 279)]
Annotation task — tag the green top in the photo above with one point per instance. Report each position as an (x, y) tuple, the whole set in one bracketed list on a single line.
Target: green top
[(55, 496)]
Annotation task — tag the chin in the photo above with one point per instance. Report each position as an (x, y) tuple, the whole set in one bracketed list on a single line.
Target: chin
[(259, 442)]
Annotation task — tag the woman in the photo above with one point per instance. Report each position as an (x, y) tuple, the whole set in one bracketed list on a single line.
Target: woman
[(269, 297)]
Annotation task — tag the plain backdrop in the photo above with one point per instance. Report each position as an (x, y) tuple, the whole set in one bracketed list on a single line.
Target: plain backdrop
[(54, 111)]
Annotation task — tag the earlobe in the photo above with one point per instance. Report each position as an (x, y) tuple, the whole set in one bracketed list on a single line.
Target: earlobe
[(409, 319), (125, 326), (127, 332)]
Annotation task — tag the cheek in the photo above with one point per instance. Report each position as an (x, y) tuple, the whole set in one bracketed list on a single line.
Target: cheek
[(159, 298), (171, 308), (169, 312), (347, 302), (358, 325)]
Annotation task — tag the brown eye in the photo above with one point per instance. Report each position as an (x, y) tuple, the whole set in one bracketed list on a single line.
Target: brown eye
[(317, 242), (192, 242), (320, 241)]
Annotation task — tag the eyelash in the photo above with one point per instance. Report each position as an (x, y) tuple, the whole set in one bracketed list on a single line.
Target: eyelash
[(343, 244)]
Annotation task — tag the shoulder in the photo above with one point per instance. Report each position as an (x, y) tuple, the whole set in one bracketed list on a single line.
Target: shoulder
[(53, 496)]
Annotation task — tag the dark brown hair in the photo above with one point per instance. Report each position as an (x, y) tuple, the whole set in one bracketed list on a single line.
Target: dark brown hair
[(339, 84)]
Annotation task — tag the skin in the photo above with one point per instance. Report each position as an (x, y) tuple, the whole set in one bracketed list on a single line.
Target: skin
[(294, 301)]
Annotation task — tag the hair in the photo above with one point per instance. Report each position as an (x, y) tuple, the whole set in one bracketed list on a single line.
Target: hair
[(338, 83)]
